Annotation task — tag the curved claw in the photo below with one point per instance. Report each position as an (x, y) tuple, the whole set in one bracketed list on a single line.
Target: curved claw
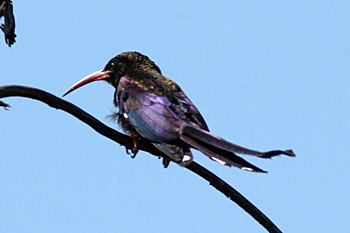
[(133, 155), (166, 161), (135, 147)]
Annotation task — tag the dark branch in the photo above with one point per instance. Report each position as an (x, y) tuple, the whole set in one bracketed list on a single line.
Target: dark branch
[(215, 181), (8, 27)]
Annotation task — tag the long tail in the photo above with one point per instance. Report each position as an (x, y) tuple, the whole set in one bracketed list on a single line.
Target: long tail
[(222, 151)]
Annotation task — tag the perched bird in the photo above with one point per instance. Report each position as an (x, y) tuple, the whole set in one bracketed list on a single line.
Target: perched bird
[(154, 107)]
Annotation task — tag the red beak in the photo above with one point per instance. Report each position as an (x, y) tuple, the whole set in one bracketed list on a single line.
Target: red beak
[(98, 75)]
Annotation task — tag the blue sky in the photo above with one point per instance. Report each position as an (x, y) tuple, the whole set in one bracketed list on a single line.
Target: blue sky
[(265, 74)]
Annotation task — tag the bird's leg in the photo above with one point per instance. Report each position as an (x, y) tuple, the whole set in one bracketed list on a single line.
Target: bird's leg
[(166, 161), (129, 129), (135, 145)]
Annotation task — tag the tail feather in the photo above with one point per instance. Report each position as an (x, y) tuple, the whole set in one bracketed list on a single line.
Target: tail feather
[(205, 136), (222, 156), (223, 151)]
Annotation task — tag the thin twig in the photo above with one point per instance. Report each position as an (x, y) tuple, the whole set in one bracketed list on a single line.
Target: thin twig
[(215, 181), (4, 105)]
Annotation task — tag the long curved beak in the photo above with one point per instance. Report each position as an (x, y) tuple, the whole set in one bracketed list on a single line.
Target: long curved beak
[(98, 75)]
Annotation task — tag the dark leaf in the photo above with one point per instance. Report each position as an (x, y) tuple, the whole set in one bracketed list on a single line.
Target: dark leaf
[(8, 27)]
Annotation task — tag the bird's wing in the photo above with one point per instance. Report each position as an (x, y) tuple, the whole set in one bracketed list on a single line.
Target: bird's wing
[(190, 110), (157, 119), (178, 98), (151, 115)]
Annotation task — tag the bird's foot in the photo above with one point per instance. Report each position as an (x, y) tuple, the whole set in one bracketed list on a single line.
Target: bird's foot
[(166, 161), (135, 147)]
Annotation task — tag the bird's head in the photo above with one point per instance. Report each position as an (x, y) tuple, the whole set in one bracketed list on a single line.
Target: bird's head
[(119, 66)]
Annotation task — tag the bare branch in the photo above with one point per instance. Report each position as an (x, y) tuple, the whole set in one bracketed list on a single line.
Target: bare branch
[(215, 181)]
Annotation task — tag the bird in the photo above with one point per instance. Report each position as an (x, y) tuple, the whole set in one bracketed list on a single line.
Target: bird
[(152, 106)]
